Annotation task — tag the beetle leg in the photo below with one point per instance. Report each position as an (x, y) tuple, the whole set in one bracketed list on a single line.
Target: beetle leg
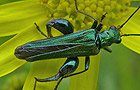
[(94, 24), (68, 67), (87, 62), (49, 31), (103, 17), (62, 25), (99, 27), (40, 30), (83, 12), (107, 49)]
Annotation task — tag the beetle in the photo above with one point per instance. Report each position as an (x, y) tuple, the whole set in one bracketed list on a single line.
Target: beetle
[(71, 45)]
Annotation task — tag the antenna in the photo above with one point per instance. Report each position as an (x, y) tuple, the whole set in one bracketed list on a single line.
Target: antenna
[(130, 35), (128, 18), (127, 21)]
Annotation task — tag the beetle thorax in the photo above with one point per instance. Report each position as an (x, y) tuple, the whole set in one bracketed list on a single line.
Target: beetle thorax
[(109, 37)]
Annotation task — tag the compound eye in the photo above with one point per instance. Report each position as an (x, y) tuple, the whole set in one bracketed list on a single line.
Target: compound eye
[(112, 27)]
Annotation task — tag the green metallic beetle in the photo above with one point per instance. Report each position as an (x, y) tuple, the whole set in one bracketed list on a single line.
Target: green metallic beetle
[(71, 45)]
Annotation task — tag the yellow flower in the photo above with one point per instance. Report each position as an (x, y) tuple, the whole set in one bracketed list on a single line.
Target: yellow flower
[(19, 18)]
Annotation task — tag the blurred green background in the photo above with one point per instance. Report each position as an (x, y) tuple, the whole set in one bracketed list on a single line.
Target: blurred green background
[(119, 70)]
